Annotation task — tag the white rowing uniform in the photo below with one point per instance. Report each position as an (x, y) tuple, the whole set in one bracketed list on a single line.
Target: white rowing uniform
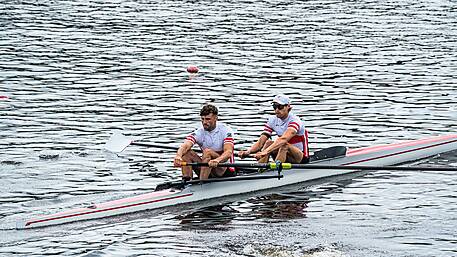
[(214, 139), (279, 126)]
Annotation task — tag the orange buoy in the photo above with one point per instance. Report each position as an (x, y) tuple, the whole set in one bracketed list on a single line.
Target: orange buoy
[(192, 69)]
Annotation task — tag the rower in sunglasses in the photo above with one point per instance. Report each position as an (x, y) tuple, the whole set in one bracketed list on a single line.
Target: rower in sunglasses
[(290, 146)]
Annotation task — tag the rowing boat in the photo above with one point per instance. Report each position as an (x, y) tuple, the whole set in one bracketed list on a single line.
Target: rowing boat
[(383, 155)]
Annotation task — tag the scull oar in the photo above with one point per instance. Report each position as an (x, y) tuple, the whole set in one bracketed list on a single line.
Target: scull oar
[(118, 142), (286, 166)]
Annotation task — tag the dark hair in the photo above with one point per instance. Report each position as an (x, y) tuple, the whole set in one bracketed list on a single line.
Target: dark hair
[(207, 109)]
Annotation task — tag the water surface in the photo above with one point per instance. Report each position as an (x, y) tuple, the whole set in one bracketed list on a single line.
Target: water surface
[(359, 73)]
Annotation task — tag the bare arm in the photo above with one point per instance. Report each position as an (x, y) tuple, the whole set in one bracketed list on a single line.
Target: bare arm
[(183, 149), (257, 146), (227, 154), (228, 151), (280, 141)]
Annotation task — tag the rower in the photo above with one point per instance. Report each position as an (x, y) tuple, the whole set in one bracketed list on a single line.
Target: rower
[(291, 145), (216, 142)]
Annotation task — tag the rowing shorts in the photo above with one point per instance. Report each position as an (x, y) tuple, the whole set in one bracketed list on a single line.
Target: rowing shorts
[(228, 172), (304, 160)]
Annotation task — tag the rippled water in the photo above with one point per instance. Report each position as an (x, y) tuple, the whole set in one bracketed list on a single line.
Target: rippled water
[(359, 72)]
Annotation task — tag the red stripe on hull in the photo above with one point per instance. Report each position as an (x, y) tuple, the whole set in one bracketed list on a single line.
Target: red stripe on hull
[(103, 210), (402, 152), (396, 145)]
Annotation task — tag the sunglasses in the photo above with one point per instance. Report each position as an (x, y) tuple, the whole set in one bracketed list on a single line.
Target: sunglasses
[(278, 106)]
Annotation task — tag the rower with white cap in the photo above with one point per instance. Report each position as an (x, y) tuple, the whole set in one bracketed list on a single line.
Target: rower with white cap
[(291, 145)]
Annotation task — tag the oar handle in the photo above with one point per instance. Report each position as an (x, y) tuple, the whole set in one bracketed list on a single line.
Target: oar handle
[(270, 165), (226, 164), (249, 155), (182, 184)]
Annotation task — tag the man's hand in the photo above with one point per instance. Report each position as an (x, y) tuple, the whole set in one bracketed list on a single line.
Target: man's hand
[(244, 154), (260, 155), (213, 163), (177, 161)]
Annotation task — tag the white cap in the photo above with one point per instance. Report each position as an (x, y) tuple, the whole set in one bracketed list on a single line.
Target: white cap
[(281, 99)]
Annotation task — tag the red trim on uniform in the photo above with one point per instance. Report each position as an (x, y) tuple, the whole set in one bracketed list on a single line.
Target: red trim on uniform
[(297, 139), (294, 125), (267, 129), (191, 139), (294, 128), (301, 139), (228, 140)]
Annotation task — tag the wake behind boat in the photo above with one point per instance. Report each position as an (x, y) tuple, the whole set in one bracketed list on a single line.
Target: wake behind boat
[(325, 163)]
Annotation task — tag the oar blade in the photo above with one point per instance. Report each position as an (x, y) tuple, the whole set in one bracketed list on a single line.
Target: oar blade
[(117, 142)]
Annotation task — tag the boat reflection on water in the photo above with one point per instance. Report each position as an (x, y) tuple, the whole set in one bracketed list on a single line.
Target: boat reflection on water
[(208, 217), (276, 207), (280, 207)]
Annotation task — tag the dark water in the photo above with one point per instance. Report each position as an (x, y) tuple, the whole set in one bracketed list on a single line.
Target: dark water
[(359, 72)]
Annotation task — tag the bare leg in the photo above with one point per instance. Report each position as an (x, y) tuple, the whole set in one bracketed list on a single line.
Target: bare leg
[(267, 157), (289, 153), (282, 153), (208, 155), (218, 171), (189, 157)]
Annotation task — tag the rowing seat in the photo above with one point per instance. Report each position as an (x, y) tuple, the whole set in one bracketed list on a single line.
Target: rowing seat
[(328, 153)]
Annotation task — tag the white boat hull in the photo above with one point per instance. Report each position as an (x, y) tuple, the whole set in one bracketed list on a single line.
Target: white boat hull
[(370, 156)]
